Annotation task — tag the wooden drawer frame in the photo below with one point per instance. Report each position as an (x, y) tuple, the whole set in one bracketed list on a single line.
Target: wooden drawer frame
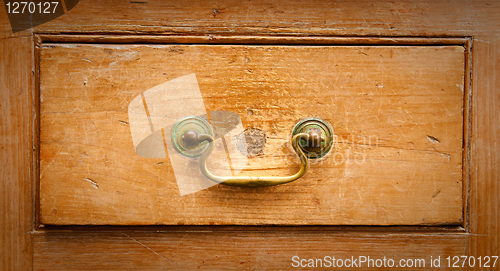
[(124, 234), (28, 245)]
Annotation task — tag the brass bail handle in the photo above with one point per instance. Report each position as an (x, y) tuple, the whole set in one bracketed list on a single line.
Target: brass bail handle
[(311, 139)]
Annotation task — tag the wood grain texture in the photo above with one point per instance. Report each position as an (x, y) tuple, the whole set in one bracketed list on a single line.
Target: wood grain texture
[(16, 205), (397, 113), (478, 19), (238, 250), (484, 220), (314, 17)]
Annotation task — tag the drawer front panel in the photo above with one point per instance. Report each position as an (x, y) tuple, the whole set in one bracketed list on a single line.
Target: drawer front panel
[(397, 114)]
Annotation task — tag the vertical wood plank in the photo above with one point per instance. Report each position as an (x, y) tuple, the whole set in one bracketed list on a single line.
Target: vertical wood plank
[(484, 220), (16, 208), (4, 23)]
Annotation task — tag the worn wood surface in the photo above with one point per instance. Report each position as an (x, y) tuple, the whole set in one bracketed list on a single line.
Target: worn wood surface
[(397, 113), (16, 205), (234, 250), (484, 215), (478, 19), (314, 17)]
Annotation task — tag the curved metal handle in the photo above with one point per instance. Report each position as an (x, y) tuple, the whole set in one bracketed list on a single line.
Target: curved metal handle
[(192, 137), (312, 138), (253, 181)]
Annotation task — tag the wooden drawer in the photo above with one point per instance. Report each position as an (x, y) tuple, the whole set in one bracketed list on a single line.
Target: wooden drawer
[(396, 110)]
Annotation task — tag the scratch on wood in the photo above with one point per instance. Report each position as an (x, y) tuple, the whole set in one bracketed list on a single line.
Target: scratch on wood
[(53, 159), (433, 139), (436, 193), (94, 184), (482, 41), (447, 156), (123, 122), (215, 12), (137, 241)]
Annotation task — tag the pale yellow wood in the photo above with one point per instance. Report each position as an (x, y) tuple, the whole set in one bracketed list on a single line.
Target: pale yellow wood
[(397, 113)]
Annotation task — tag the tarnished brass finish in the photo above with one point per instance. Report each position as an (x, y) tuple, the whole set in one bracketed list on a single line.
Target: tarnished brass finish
[(312, 138), (253, 180), (321, 137), (185, 133)]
